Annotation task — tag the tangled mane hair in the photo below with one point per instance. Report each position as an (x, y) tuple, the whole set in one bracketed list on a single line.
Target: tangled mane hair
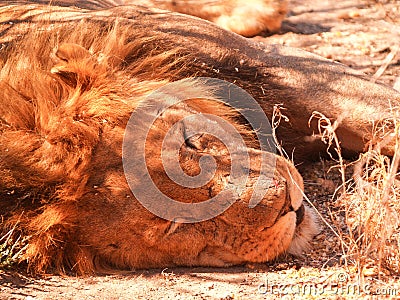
[(56, 99)]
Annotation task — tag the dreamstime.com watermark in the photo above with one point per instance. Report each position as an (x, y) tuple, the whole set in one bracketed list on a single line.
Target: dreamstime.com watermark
[(338, 285), (157, 105)]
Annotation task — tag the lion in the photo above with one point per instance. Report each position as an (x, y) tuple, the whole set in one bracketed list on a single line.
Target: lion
[(247, 18), (70, 80), (68, 90)]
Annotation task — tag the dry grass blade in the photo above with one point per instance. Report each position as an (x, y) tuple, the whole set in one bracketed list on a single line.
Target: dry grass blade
[(386, 63), (371, 206), (12, 246), (277, 117), (328, 135)]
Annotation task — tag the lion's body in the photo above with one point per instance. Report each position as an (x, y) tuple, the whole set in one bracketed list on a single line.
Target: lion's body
[(233, 15), (246, 18), (71, 78)]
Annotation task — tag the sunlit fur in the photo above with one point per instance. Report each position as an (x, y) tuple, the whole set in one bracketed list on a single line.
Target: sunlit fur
[(247, 18), (66, 94)]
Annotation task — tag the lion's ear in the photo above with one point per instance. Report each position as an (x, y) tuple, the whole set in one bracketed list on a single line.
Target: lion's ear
[(73, 62), (68, 52)]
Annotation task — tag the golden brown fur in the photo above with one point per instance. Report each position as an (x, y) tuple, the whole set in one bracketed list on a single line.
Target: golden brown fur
[(247, 18), (273, 74), (70, 79), (66, 97)]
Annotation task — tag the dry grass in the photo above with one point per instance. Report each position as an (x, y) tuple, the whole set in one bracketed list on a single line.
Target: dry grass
[(365, 214), (368, 205), (12, 246)]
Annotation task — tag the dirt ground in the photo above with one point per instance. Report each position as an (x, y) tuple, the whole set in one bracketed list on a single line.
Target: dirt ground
[(363, 34)]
